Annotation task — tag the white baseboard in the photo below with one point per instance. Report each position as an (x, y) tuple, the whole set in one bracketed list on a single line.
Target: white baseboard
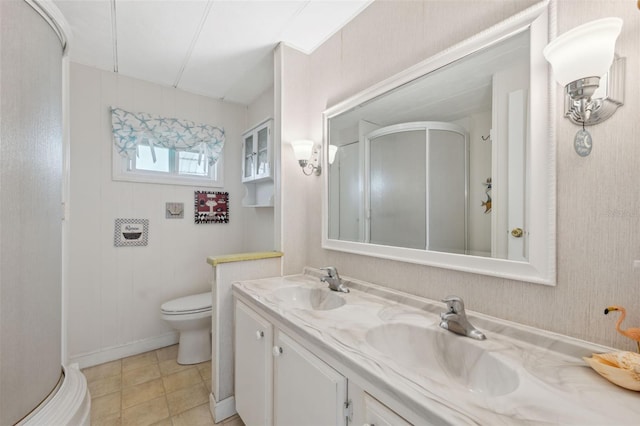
[(221, 410), (116, 352)]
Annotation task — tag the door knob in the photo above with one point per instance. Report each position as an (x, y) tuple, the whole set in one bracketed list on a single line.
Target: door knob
[(517, 232)]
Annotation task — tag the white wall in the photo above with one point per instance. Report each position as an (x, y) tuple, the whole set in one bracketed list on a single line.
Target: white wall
[(259, 230), (297, 217), (478, 126), (115, 293), (598, 202)]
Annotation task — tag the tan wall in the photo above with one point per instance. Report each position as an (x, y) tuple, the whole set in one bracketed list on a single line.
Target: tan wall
[(598, 201)]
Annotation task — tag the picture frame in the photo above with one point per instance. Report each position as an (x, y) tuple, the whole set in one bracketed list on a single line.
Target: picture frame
[(211, 207), (131, 232)]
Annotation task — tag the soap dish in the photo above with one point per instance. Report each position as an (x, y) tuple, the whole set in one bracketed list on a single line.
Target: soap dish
[(621, 368)]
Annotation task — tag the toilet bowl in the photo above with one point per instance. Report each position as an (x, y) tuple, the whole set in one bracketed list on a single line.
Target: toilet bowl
[(191, 317)]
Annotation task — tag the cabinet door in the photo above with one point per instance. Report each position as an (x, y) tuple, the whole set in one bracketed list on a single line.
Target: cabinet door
[(379, 414), (263, 151), (253, 366), (248, 157), (307, 391)]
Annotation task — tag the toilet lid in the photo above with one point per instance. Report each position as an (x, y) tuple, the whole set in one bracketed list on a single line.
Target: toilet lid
[(194, 303)]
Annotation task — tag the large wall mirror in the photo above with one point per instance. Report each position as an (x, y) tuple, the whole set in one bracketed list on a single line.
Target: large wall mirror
[(451, 163)]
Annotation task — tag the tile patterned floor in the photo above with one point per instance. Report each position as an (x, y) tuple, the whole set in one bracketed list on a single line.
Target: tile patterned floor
[(151, 389)]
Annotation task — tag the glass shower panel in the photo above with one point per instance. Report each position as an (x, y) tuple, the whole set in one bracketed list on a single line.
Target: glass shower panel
[(345, 194), (447, 217), (398, 190)]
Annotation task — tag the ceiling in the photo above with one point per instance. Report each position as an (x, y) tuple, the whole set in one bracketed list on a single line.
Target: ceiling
[(449, 93), (217, 48)]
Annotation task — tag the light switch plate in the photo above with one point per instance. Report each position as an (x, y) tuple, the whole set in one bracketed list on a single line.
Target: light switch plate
[(174, 210)]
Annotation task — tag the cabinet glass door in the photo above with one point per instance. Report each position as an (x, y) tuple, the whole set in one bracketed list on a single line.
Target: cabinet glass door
[(247, 169), (263, 152)]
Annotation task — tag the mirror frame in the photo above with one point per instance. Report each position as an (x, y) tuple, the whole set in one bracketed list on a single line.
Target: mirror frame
[(541, 156)]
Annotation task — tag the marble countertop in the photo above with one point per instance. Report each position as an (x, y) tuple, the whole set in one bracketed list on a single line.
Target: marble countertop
[(555, 386)]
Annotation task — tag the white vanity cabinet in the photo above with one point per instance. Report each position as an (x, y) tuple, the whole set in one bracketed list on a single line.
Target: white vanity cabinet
[(307, 391), (378, 414), (278, 381), (253, 366)]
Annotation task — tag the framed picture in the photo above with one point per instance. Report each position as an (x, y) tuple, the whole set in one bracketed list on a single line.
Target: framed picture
[(131, 232), (211, 207)]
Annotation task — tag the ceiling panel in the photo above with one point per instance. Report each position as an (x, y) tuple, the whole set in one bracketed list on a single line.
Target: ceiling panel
[(224, 46), (92, 42), (235, 38), (154, 37), (319, 20)]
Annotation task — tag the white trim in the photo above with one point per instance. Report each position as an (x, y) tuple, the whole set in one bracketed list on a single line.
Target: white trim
[(50, 12), (222, 410), (66, 208), (121, 351), (71, 404), (541, 175)]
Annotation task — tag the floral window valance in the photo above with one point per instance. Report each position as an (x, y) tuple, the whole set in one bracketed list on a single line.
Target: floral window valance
[(131, 129)]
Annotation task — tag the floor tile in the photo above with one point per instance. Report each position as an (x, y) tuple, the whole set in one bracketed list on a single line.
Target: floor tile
[(181, 380), (114, 420), (138, 361), (140, 375), (143, 392), (107, 406), (146, 413), (233, 421), (171, 366), (152, 389), (105, 386), (205, 373), (170, 352), (198, 416), (102, 371), (187, 398)]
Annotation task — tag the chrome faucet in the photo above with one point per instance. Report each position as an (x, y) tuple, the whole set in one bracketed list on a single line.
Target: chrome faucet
[(455, 319), (333, 279)]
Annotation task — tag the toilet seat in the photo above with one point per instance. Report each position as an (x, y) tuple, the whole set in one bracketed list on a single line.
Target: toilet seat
[(194, 304)]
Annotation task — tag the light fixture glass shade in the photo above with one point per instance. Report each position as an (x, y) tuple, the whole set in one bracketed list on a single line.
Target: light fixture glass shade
[(302, 149), (332, 153), (585, 51)]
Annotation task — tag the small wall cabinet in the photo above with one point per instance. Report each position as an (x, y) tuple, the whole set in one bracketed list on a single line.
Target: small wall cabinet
[(278, 381), (256, 152), (257, 165)]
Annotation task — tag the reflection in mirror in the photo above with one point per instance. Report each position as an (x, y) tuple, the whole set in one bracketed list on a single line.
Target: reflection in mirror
[(447, 161), (429, 184)]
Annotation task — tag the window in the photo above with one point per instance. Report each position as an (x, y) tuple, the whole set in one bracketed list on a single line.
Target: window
[(170, 167), (155, 149)]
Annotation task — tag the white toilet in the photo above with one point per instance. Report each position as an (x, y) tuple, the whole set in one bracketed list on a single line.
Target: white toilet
[(191, 316)]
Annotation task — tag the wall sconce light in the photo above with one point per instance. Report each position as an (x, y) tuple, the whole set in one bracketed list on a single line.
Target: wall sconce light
[(584, 62), (308, 155)]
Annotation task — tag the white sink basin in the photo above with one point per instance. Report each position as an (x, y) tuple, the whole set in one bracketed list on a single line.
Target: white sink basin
[(318, 299), (442, 355)]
